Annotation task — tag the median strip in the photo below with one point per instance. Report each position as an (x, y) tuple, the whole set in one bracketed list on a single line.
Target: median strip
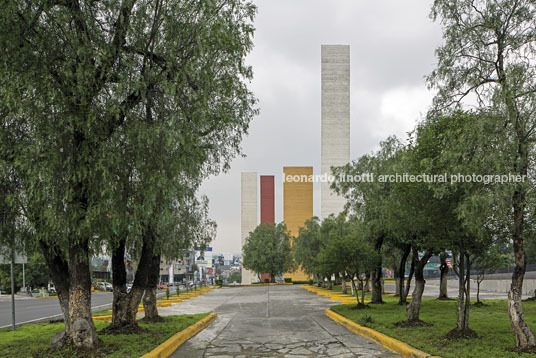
[(168, 347)]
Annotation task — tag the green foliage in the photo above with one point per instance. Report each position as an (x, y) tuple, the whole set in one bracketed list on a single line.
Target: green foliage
[(112, 113), (288, 279), (307, 245), (35, 272), (266, 280), (235, 277), (267, 250), (167, 293)]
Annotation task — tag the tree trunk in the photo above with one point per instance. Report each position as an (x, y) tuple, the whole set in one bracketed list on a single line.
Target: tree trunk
[(125, 306), (59, 272), (354, 289), (479, 280), (337, 279), (367, 281), (397, 282), (119, 312), (413, 309), (462, 323), (362, 293), (377, 274), (330, 284), (149, 299), (444, 269), (343, 285), (82, 330), (403, 293), (524, 336)]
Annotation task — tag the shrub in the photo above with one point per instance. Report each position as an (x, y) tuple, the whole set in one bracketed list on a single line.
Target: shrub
[(288, 279), (266, 280), (219, 283), (366, 320), (167, 293)]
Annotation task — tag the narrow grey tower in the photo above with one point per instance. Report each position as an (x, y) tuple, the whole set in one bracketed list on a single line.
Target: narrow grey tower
[(335, 120), (249, 217)]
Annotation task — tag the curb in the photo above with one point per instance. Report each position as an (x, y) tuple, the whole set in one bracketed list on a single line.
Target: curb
[(168, 347), (405, 350), (262, 284)]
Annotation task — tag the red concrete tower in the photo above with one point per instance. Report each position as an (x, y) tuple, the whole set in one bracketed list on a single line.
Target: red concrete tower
[(267, 206), (267, 199)]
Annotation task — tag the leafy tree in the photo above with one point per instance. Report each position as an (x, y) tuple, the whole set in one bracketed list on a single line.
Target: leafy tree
[(267, 249), (235, 277), (307, 245), (328, 260), (489, 261), (368, 198), (487, 52), (360, 256), (88, 82)]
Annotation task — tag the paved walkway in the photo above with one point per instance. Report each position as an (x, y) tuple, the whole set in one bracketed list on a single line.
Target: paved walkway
[(270, 321)]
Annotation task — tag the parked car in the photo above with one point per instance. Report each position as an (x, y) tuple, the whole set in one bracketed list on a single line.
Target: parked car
[(162, 286), (104, 286)]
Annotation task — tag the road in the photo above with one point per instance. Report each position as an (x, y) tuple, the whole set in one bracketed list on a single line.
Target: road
[(28, 309), (432, 291), (270, 321)]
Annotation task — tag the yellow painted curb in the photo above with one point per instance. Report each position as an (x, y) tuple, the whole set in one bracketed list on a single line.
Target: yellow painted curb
[(42, 298), (405, 350), (168, 347), (264, 284)]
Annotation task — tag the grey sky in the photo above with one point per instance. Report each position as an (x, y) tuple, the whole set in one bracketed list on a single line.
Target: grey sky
[(392, 45)]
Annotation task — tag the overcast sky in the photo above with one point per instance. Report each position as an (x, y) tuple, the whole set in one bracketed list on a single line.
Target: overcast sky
[(392, 45)]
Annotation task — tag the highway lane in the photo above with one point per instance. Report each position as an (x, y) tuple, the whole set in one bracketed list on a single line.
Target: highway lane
[(29, 309)]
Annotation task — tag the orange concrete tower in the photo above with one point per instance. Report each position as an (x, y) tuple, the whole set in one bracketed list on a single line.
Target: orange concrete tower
[(297, 204)]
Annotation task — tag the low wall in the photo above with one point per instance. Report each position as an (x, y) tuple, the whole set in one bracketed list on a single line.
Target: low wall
[(492, 285)]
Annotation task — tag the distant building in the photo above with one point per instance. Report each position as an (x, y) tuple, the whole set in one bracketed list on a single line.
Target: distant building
[(172, 271)]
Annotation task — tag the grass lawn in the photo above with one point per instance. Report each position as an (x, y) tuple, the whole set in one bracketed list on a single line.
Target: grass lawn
[(491, 322), (33, 340)]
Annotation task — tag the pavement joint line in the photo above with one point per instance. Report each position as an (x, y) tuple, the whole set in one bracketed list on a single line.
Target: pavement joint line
[(394, 345), (335, 337), (167, 348)]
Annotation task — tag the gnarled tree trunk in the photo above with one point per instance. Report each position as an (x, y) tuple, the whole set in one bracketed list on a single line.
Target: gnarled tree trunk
[(377, 274), (120, 296), (149, 299), (402, 291), (524, 336), (125, 306), (414, 307), (59, 272), (464, 286), (82, 330), (343, 285), (444, 269)]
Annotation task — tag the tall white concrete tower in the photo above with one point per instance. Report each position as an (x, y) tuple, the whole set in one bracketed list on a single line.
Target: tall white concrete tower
[(335, 120), (249, 216)]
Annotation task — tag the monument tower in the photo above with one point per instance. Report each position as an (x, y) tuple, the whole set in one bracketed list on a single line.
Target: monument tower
[(249, 215), (335, 127)]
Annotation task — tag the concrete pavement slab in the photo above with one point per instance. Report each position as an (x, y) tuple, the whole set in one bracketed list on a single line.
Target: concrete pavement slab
[(270, 321)]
